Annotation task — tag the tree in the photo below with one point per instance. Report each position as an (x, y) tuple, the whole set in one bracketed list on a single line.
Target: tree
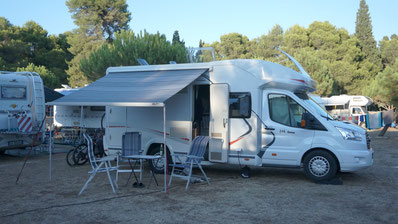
[(100, 18), (176, 39), (389, 49), (97, 21), (383, 89), (49, 78), (126, 48), (265, 47), (20, 46), (363, 31), (231, 46)]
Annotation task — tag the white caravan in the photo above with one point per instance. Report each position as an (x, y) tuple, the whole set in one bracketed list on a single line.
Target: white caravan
[(347, 106), (257, 113), (22, 109)]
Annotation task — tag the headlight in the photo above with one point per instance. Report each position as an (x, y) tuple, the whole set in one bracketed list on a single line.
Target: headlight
[(349, 134)]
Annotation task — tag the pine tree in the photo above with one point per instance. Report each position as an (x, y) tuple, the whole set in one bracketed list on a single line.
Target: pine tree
[(176, 39), (363, 31)]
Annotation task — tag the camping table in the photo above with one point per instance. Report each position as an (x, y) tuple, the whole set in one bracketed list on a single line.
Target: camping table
[(142, 157)]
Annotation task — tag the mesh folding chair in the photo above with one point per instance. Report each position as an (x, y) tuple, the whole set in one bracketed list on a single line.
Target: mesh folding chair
[(97, 165), (193, 159), (131, 152)]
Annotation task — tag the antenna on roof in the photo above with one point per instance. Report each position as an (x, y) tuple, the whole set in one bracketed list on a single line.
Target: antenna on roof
[(142, 61)]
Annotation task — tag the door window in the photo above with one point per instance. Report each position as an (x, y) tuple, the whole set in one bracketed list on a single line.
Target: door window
[(285, 110), (356, 110)]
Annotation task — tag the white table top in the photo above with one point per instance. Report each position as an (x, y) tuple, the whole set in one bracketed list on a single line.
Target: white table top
[(142, 157)]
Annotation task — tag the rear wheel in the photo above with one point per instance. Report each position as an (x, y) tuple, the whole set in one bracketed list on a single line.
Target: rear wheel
[(69, 158), (157, 165), (320, 165)]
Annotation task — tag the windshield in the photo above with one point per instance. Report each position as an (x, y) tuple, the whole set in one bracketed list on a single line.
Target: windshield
[(318, 108)]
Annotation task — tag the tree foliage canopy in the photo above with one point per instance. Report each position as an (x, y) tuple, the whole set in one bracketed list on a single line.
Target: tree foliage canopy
[(49, 78), (31, 44), (97, 21), (126, 48), (101, 18)]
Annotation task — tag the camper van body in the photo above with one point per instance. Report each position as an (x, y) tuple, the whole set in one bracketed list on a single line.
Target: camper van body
[(251, 109), (22, 109)]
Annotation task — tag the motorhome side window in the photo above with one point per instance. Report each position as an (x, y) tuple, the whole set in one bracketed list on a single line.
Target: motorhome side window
[(285, 110), (240, 105), (12, 93)]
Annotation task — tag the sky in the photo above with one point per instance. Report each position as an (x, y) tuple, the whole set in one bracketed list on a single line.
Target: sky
[(207, 20)]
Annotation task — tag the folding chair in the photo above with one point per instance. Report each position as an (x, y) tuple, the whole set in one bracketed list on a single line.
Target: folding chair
[(131, 150), (98, 168), (193, 159)]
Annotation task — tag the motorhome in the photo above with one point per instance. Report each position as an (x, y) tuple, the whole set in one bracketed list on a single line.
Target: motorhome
[(22, 109), (343, 106), (256, 112)]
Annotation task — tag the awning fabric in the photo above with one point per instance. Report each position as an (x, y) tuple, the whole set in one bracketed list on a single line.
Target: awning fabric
[(132, 88)]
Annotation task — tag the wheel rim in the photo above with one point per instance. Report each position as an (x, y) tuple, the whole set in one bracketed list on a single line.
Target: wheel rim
[(319, 166), (158, 163)]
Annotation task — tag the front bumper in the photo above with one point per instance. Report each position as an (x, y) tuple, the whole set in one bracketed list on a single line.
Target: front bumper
[(353, 160)]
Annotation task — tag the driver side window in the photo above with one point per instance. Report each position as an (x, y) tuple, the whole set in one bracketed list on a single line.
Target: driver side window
[(285, 110)]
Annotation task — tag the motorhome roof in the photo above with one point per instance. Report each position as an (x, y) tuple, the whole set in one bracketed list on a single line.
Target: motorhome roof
[(263, 70)]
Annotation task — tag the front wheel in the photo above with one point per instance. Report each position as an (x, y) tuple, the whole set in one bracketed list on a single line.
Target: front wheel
[(320, 165), (157, 165), (80, 154)]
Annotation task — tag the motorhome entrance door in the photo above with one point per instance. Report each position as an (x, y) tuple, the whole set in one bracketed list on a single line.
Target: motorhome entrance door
[(219, 123)]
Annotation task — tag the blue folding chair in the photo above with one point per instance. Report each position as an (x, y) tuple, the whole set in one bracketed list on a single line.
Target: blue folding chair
[(193, 159)]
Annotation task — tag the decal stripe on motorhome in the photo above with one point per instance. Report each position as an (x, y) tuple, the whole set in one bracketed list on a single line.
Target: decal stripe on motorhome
[(161, 132), (300, 80), (241, 137), (234, 141)]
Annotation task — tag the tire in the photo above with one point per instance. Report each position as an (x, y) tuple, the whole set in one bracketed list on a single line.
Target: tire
[(320, 165), (80, 154), (69, 158), (157, 165)]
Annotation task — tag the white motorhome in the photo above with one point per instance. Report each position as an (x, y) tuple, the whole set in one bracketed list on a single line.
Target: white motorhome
[(257, 113), (22, 109), (347, 106)]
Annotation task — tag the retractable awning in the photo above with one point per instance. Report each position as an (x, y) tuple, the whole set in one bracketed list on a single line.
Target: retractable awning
[(132, 88)]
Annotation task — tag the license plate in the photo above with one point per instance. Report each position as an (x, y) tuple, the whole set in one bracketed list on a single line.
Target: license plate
[(17, 142)]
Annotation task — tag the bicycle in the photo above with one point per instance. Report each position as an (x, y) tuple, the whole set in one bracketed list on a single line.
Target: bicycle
[(79, 154)]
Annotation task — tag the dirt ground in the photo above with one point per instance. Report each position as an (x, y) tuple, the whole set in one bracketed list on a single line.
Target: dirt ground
[(271, 195)]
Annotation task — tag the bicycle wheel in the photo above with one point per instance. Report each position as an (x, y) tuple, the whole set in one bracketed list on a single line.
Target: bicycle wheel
[(80, 154), (69, 158)]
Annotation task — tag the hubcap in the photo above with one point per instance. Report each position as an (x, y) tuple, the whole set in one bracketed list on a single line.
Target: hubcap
[(158, 163), (319, 166)]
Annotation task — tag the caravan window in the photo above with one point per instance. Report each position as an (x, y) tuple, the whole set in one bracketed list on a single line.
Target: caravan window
[(13, 93), (240, 105)]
